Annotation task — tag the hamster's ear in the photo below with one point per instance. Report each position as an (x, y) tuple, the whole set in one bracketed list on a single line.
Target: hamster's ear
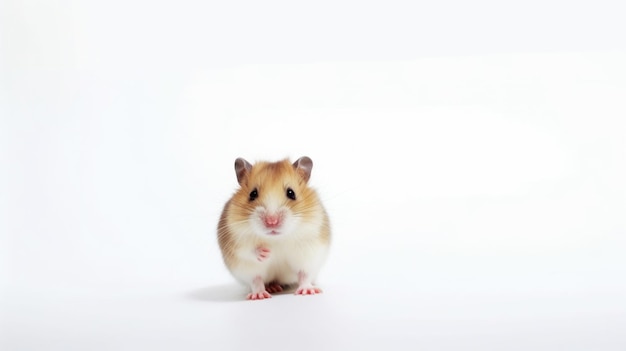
[(303, 166), (242, 168)]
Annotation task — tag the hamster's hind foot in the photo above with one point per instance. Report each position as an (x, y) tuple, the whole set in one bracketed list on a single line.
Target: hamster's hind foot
[(273, 287)]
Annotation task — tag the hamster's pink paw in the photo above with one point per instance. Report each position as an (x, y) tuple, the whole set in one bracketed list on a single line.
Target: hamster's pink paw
[(262, 253), (259, 295), (274, 287), (305, 285), (308, 290)]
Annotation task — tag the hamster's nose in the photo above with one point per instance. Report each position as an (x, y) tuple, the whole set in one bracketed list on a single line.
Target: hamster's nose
[(271, 221)]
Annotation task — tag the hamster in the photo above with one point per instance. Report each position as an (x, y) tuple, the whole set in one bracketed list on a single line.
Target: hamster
[(274, 231)]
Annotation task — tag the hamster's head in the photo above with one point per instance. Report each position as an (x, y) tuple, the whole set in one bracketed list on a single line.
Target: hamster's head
[(274, 199)]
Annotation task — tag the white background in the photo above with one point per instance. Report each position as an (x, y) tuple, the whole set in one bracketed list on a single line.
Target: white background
[(471, 156)]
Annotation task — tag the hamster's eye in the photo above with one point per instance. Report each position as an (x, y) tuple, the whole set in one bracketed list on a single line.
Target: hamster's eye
[(291, 194), (254, 194)]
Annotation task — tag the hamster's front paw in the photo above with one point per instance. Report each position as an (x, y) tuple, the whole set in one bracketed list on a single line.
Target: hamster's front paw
[(308, 290), (260, 295), (305, 286), (262, 253), (258, 290)]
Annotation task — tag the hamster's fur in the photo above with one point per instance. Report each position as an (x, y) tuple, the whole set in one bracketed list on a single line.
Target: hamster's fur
[(274, 230)]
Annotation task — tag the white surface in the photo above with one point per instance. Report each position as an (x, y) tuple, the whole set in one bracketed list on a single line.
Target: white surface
[(472, 160)]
